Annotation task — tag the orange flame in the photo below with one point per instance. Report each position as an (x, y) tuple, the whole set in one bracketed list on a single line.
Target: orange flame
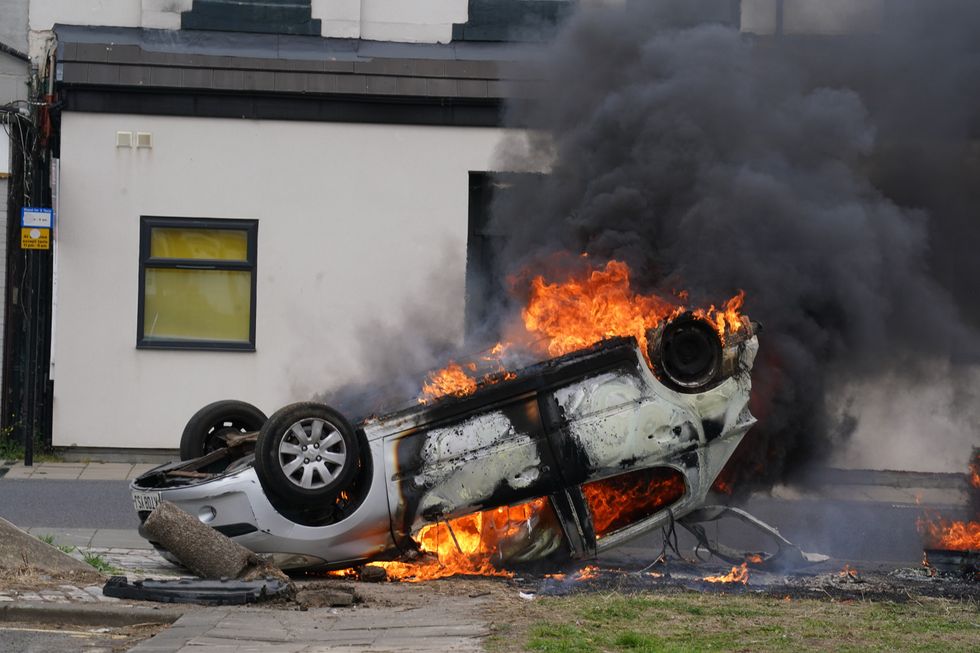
[(576, 313), (736, 575), (754, 558), (954, 535), (621, 500), (579, 312), (848, 572), (451, 380), (465, 546), (942, 533), (586, 573)]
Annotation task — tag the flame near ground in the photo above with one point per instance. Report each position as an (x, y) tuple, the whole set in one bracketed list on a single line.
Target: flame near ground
[(954, 535)]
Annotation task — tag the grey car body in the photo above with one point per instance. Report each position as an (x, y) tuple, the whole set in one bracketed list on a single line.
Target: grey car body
[(594, 414)]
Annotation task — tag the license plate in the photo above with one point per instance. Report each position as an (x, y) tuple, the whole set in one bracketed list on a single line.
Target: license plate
[(146, 500)]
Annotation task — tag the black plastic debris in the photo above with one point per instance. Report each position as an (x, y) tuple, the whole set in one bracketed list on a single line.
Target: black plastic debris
[(196, 590), (959, 563)]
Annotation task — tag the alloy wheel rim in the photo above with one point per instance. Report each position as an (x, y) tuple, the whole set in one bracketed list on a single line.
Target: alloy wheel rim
[(312, 453)]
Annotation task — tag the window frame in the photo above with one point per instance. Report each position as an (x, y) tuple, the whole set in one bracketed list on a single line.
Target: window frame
[(147, 224)]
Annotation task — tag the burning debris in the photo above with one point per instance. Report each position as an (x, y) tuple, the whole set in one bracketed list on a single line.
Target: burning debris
[(736, 575), (953, 546)]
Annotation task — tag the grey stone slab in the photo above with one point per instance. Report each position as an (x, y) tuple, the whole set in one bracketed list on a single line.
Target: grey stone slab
[(252, 63), (369, 67), (291, 82), (472, 69), (92, 52), (80, 537), (411, 86), (382, 85), (441, 87), (136, 76), (352, 84), (322, 83), (195, 77), (128, 54), (228, 79), (119, 538), (430, 68), (72, 71), (337, 66), (163, 77), (160, 58), (218, 644), (472, 88), (256, 80), (303, 65)]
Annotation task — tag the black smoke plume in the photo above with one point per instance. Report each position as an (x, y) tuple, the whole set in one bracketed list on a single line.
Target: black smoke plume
[(833, 178)]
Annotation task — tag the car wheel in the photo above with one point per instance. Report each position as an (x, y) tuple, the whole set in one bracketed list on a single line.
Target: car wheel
[(690, 354), (307, 452), (206, 430)]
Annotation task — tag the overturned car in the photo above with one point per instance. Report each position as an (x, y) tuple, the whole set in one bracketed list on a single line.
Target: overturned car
[(578, 432)]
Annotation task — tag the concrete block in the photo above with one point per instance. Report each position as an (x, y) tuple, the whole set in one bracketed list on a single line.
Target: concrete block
[(352, 84), (441, 87), (102, 73), (291, 82), (129, 54), (195, 77), (134, 75), (92, 52), (228, 79), (411, 86), (382, 85), (260, 80), (472, 88)]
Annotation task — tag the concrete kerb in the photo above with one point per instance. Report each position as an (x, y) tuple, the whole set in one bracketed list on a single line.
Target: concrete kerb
[(90, 615)]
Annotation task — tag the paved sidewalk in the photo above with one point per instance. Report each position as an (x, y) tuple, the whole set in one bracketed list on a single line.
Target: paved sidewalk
[(394, 618), (441, 623), (74, 471)]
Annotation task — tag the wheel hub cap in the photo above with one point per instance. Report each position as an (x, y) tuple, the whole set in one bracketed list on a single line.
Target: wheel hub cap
[(312, 453)]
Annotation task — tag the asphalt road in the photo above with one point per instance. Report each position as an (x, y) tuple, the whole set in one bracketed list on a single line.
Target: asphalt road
[(67, 504), (47, 638), (850, 530)]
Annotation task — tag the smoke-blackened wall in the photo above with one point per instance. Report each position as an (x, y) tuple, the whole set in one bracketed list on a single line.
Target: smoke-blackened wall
[(831, 178)]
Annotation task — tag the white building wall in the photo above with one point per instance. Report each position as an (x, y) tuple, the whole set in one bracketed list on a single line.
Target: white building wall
[(813, 16), (418, 21), (354, 222)]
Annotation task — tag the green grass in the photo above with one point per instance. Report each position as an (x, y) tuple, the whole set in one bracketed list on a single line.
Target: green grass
[(13, 451), (49, 539), (100, 563), (680, 622)]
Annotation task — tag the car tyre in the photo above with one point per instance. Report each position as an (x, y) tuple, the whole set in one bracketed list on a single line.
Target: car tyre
[(307, 452), (688, 356), (205, 430)]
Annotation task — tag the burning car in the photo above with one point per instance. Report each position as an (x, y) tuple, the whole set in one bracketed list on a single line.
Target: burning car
[(595, 447)]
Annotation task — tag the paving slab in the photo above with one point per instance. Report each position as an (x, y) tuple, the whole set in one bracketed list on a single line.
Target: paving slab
[(440, 623), (139, 470), (78, 537), (57, 473)]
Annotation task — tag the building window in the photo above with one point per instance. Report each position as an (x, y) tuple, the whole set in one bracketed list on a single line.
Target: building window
[(197, 284)]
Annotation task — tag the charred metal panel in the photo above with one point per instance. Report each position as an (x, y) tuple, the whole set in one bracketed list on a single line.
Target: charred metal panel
[(491, 459)]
